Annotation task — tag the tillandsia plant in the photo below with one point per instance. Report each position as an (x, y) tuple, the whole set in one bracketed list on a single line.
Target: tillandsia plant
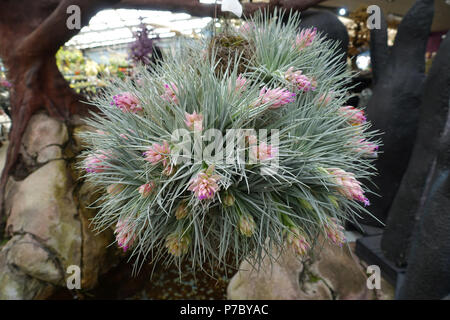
[(205, 164)]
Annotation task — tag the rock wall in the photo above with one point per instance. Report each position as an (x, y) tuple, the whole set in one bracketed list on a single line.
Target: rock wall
[(47, 217), (332, 273)]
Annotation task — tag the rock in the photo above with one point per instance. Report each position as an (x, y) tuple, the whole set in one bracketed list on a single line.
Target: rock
[(249, 283), (49, 153), (342, 271), (31, 258), (97, 256), (78, 143), (43, 206), (15, 285), (41, 133), (48, 219), (335, 274)]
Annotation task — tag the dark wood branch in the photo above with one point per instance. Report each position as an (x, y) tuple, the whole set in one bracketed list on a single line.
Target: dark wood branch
[(53, 32)]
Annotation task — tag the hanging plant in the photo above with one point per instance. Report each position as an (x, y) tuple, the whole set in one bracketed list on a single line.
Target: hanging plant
[(200, 160)]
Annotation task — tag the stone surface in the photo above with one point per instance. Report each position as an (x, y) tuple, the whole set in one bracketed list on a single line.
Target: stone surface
[(97, 255), (43, 205), (342, 271), (49, 153), (394, 106), (335, 274), (42, 132), (410, 198), (48, 219), (30, 257), (78, 143), (16, 285)]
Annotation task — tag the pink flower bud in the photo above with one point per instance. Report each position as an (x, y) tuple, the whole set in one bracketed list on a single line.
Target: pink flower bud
[(306, 38), (348, 186), (194, 121), (124, 234), (158, 153), (170, 93), (204, 185), (146, 189), (355, 116), (126, 102), (297, 242), (177, 244), (334, 232), (275, 98)]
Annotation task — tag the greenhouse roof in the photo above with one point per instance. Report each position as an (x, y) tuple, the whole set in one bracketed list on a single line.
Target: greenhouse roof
[(110, 27)]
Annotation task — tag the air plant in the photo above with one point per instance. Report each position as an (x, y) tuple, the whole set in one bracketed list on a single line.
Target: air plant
[(233, 162)]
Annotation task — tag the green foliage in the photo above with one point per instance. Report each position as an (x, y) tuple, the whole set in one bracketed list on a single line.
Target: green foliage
[(86, 76), (299, 195)]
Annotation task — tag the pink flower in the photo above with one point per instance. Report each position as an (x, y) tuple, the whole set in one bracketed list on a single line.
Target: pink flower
[(126, 102), (5, 83), (170, 93), (348, 186), (194, 121), (204, 185), (158, 153), (366, 147), (241, 83), (334, 232), (146, 189), (96, 162), (297, 242), (306, 37), (263, 151), (299, 80), (355, 116), (124, 234), (275, 97)]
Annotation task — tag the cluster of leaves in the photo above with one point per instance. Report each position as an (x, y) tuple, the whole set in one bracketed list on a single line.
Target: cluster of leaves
[(250, 212)]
